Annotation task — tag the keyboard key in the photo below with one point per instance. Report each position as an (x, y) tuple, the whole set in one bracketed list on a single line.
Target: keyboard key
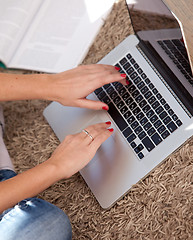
[(147, 126), (136, 111), (153, 119), (161, 129), (132, 88), (142, 135), (127, 114), (151, 131), (138, 130), (137, 80), (155, 105), (140, 155), (139, 98), (131, 138), (110, 90), (144, 90), (125, 96), (118, 86), (113, 95), (98, 90), (165, 134), (151, 100), (129, 56), (134, 124), (133, 144), (156, 139), (132, 106), (150, 113), (106, 100), (167, 120), (133, 75), (178, 122), (129, 101), (163, 115), (117, 117), (101, 95), (126, 65), (140, 116), (140, 71), (148, 144), (120, 105), (141, 85), (130, 71), (147, 94), (146, 108), (157, 124), (135, 93), (130, 119), (159, 110), (123, 110), (175, 118), (142, 103), (172, 127), (144, 121), (123, 61), (127, 132), (122, 91), (116, 100)]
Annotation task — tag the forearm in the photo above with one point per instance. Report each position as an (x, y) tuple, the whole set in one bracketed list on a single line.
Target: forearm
[(22, 86), (27, 184)]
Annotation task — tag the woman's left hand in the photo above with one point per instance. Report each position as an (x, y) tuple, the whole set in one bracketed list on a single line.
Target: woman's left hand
[(71, 87)]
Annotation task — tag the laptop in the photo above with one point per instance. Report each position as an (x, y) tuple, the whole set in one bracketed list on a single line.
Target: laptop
[(152, 116)]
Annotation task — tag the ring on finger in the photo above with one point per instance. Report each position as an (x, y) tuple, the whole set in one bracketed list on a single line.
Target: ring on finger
[(88, 134)]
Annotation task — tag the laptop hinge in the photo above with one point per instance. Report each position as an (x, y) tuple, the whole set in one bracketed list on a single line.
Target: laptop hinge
[(168, 77)]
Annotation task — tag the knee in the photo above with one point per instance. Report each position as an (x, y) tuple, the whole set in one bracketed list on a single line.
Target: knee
[(37, 219)]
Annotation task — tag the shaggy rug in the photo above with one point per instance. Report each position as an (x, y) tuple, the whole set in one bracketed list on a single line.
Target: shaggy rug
[(159, 207)]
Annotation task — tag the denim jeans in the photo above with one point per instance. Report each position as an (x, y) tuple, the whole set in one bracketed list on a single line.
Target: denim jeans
[(33, 218)]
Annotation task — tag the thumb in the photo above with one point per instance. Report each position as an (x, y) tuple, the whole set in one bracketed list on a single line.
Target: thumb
[(91, 104)]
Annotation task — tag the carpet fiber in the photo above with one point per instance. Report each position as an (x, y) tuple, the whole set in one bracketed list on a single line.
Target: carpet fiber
[(159, 207)]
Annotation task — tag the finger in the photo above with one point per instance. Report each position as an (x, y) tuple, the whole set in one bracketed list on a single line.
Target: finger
[(99, 139), (92, 131), (91, 104)]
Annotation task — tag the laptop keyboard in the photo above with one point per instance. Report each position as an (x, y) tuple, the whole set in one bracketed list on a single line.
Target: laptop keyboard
[(139, 110), (175, 49)]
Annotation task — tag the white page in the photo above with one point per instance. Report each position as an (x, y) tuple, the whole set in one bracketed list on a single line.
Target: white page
[(15, 16), (61, 34)]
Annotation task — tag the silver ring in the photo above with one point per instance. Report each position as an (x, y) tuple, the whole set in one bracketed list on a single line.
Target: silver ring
[(88, 134)]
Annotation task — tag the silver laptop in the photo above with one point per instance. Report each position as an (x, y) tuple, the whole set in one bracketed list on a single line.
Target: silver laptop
[(152, 116)]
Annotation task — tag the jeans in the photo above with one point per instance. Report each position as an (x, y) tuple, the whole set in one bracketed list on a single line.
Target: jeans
[(33, 218)]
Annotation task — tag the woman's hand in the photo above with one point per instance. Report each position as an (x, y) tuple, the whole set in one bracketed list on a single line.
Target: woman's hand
[(71, 88), (77, 150)]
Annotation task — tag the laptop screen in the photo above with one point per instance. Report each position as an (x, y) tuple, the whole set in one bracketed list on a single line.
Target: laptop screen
[(155, 25)]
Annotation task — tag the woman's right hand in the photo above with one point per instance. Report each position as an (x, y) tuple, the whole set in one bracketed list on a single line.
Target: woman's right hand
[(77, 150)]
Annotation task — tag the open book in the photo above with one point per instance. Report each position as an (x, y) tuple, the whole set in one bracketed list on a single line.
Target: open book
[(49, 35)]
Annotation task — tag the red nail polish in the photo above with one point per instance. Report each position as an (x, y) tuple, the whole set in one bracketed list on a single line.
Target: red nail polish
[(123, 75), (105, 108), (127, 82), (108, 122), (117, 68), (111, 129)]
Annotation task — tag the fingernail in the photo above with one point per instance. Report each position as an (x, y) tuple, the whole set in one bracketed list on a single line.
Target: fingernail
[(117, 68), (111, 129), (108, 122), (127, 82), (123, 75), (105, 108)]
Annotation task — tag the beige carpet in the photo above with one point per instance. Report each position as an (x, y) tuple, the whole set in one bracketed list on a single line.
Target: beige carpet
[(159, 207)]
